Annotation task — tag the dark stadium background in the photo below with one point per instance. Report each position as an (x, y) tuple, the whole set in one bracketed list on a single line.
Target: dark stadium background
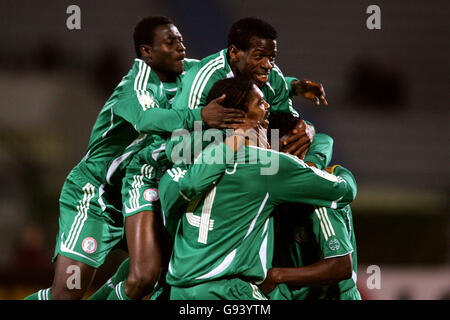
[(388, 93)]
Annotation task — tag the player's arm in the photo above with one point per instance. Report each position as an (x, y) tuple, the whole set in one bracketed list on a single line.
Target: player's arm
[(307, 89), (320, 152), (323, 272), (332, 236), (211, 165), (179, 187), (297, 182), (281, 101), (301, 137), (148, 118), (205, 172)]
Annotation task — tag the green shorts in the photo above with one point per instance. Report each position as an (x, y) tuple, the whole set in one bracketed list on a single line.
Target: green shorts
[(171, 210), (281, 292), (90, 227), (224, 289), (140, 185), (351, 294)]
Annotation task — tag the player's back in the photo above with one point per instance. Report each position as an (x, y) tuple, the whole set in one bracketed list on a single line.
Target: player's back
[(225, 232), (228, 230)]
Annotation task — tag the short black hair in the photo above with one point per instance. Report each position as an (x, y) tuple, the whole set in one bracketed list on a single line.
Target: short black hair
[(236, 90), (144, 31), (242, 30), (283, 121)]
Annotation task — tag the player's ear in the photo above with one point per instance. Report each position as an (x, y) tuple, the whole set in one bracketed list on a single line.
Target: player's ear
[(146, 51), (234, 52)]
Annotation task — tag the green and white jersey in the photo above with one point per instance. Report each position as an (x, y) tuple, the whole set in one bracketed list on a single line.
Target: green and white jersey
[(315, 233), (321, 151), (228, 231), (138, 106), (156, 145), (198, 81)]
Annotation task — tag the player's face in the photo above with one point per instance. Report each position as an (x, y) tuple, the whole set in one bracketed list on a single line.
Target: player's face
[(257, 107), (168, 51), (258, 60)]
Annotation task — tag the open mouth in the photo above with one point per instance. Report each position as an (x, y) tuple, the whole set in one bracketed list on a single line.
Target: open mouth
[(262, 77)]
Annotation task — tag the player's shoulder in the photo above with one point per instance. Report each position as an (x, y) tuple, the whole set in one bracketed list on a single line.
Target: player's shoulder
[(141, 77), (276, 75), (142, 85), (212, 64), (284, 159), (190, 63)]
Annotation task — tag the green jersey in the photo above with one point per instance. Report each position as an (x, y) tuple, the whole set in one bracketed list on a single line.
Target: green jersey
[(316, 233), (143, 171), (321, 151), (198, 81), (228, 231), (136, 107)]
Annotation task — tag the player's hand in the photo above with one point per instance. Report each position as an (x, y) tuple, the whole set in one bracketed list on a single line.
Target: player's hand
[(299, 140), (254, 131), (216, 116), (310, 90), (270, 282)]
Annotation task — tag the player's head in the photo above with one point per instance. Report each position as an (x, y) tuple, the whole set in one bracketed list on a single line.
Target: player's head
[(252, 48), (158, 42), (241, 93), (283, 121)]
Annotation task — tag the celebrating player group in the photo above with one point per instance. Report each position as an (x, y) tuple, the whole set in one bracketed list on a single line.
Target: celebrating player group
[(205, 173)]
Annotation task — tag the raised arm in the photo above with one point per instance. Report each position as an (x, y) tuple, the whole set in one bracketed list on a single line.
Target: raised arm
[(297, 182), (307, 89)]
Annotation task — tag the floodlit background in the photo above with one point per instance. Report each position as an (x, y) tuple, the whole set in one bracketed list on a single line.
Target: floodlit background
[(388, 93)]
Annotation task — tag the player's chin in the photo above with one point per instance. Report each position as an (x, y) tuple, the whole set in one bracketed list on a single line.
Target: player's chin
[(178, 68), (259, 83)]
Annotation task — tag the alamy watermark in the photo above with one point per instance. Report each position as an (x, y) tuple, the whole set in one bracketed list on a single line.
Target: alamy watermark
[(374, 280), (193, 147), (73, 21), (373, 22), (74, 280)]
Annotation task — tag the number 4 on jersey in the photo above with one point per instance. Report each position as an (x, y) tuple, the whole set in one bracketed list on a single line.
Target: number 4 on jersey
[(204, 221)]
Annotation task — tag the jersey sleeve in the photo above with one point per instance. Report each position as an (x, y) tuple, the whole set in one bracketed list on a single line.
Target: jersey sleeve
[(180, 186), (206, 170), (331, 230), (281, 101), (190, 63), (321, 151), (196, 84), (146, 117), (289, 81), (297, 182)]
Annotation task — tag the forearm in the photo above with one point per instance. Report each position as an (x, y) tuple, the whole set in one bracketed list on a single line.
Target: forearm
[(323, 272), (351, 186), (207, 169), (167, 120), (321, 150)]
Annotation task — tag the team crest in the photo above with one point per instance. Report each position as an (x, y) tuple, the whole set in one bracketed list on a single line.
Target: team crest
[(89, 245), (146, 101), (333, 244), (151, 195)]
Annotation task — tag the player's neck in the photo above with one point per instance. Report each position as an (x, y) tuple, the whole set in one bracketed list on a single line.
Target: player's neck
[(165, 77)]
